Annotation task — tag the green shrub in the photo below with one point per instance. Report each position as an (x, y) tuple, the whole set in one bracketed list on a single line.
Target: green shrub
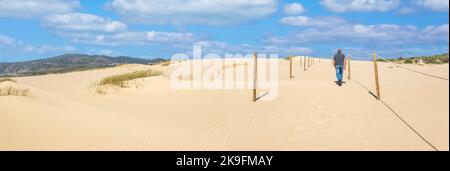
[(409, 61)]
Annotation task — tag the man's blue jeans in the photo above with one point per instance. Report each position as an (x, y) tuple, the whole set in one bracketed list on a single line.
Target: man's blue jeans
[(339, 72)]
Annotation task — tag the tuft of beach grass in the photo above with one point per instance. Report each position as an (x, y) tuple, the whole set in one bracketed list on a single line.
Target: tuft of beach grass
[(121, 80), (7, 80), (10, 90), (166, 63)]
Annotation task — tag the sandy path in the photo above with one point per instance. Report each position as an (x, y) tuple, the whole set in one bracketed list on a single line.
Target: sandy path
[(310, 113)]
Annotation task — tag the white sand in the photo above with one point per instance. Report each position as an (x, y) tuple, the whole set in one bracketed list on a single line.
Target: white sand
[(310, 113)]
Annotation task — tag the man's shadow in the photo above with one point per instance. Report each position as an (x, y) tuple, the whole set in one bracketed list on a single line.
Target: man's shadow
[(337, 83)]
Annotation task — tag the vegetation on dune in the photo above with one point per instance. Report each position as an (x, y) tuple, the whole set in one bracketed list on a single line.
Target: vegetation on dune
[(10, 90), (165, 63), (7, 80), (121, 79), (436, 59)]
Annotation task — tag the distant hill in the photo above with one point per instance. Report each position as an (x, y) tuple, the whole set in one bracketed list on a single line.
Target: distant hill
[(68, 63)]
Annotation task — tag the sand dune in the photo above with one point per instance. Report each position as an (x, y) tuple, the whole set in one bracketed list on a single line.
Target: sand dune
[(310, 113)]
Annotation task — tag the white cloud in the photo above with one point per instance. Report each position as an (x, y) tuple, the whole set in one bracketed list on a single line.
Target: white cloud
[(338, 30), (11, 46), (435, 5), (36, 8), (129, 37), (6, 41), (291, 50), (389, 39), (222, 48), (403, 6), (340, 6), (82, 22), (368, 34), (365, 52), (217, 12), (431, 33), (92, 29), (293, 9), (107, 52), (331, 21)]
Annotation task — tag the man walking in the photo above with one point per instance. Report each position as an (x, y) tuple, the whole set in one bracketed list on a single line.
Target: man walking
[(339, 65)]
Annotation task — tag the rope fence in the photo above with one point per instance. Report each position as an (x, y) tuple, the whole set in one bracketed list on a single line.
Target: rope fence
[(409, 69), (304, 61), (307, 62), (378, 97)]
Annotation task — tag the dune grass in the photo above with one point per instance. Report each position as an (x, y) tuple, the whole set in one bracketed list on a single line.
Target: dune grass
[(7, 80), (13, 91), (10, 90), (165, 63), (121, 79)]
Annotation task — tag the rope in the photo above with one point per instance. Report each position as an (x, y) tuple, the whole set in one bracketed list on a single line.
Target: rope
[(398, 116), (442, 78), (410, 127)]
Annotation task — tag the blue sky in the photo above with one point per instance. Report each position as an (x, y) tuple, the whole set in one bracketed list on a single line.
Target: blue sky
[(33, 29)]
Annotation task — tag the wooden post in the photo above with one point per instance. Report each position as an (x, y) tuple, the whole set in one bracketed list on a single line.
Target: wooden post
[(377, 83), (300, 58), (349, 69), (234, 73), (304, 63), (255, 75), (290, 67), (308, 61)]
